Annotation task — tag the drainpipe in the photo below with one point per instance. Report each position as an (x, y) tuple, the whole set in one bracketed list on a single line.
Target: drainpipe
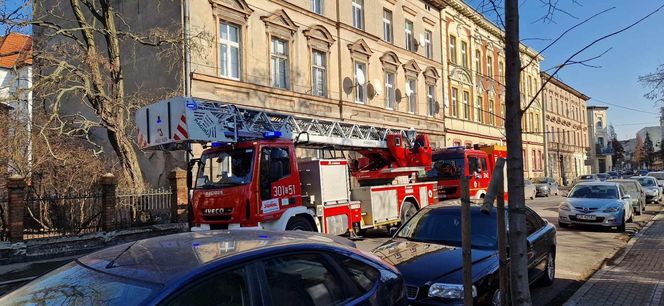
[(547, 171), (187, 52), (341, 85)]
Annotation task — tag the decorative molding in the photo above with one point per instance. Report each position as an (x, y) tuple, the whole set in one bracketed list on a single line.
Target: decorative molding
[(360, 49), (409, 10), (390, 61), (318, 37), (411, 69), (431, 75), (431, 22), (280, 24), (236, 11)]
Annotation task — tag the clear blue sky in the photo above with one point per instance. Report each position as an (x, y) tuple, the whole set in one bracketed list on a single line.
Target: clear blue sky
[(635, 52)]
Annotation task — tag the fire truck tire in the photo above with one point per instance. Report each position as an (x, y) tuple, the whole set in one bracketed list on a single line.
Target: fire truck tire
[(408, 209), (298, 223)]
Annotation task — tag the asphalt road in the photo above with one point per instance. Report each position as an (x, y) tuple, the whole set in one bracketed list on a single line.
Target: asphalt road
[(581, 251)]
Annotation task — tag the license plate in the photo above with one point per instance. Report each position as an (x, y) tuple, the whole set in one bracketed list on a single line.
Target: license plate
[(585, 217)]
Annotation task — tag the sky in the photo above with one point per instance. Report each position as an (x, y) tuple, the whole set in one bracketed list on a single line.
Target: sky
[(614, 83)]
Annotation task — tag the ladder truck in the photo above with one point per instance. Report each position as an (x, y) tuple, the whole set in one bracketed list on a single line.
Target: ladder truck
[(250, 174)]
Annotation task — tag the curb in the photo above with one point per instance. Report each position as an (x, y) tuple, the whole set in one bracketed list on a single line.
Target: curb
[(578, 295)]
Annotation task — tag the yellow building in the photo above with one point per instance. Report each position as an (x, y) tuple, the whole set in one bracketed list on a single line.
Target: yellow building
[(475, 74), (364, 61)]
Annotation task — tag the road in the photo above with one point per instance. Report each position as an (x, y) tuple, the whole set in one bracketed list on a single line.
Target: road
[(580, 252)]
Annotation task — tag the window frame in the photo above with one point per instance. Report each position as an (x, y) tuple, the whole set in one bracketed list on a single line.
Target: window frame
[(321, 5), (466, 105), (358, 5), (388, 26), (489, 66), (390, 90), (478, 61), (431, 98), (454, 95), (322, 68), (408, 35), (412, 99), (428, 45), (492, 117), (464, 54), (479, 109), (357, 85), (285, 56), (230, 45), (452, 49)]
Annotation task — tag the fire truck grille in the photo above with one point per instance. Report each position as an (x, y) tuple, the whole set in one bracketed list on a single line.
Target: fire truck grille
[(216, 218)]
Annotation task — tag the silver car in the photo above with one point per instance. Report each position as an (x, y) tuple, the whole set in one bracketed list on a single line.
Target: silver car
[(596, 203), (546, 186), (529, 189), (659, 176), (586, 178), (633, 188), (649, 185)]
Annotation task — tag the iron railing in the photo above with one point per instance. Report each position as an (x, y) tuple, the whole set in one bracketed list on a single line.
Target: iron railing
[(61, 214), (150, 207)]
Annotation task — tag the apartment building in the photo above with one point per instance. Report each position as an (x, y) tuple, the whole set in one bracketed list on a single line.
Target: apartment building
[(474, 69), (365, 61), (598, 137), (566, 130)]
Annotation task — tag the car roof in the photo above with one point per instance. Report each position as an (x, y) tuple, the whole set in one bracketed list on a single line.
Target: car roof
[(636, 177), (164, 258), (606, 183), (623, 181)]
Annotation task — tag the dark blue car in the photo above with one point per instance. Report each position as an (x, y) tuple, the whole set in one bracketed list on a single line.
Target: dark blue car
[(221, 268), (427, 251)]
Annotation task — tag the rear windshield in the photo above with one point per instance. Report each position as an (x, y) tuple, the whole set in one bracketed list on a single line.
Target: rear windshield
[(586, 177), (594, 192), (74, 284)]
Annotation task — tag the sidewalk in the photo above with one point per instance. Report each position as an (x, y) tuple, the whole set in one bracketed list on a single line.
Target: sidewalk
[(637, 278)]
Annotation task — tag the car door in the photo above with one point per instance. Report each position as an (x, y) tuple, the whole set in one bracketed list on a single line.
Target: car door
[(538, 247)]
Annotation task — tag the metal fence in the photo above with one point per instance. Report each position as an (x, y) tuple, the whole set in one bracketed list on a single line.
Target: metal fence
[(61, 214), (3, 218), (150, 207)]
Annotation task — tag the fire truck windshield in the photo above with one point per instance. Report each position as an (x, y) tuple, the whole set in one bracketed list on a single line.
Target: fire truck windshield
[(226, 168), (449, 168)]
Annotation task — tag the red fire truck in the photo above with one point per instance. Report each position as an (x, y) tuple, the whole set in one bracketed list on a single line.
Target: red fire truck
[(450, 164), (250, 175)]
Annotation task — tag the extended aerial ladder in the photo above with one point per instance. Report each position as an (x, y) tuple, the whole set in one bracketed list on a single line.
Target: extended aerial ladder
[(250, 175)]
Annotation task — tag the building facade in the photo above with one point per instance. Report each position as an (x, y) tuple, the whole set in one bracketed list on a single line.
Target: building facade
[(598, 139), (474, 69), (566, 130), (373, 62)]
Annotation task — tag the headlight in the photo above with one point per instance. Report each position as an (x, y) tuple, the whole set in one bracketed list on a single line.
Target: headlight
[(448, 291), (564, 206), (612, 209)]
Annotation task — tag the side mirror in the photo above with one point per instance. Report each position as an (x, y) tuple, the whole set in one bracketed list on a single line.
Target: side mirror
[(627, 197), (393, 231)]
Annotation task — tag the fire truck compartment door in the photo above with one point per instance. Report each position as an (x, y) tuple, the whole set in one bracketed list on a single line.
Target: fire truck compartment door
[(378, 205)]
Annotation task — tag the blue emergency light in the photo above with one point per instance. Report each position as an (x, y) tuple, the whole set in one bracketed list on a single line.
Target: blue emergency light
[(217, 144), (272, 134)]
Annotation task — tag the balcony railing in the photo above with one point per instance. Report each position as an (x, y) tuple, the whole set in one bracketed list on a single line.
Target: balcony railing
[(603, 150)]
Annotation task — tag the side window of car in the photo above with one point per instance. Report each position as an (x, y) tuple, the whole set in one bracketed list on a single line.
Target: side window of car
[(533, 221), (227, 289), (364, 275), (304, 279)]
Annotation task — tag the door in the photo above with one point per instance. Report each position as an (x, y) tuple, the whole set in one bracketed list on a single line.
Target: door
[(479, 175), (235, 287), (278, 186), (537, 245)]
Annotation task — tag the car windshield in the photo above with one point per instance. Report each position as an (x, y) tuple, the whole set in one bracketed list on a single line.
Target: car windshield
[(594, 192), (74, 284), (645, 181), (226, 168), (446, 168), (586, 177), (443, 226), (657, 175)]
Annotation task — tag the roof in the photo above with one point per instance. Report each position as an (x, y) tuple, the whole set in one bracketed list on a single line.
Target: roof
[(165, 258), (596, 184), (597, 107), (564, 86), (15, 50)]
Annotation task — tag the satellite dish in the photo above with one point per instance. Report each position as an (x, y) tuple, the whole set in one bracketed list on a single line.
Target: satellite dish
[(423, 39), (409, 91), (378, 88), (359, 77)]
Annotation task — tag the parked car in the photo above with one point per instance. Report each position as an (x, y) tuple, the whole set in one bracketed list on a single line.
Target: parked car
[(427, 251), (637, 194), (586, 178), (613, 175), (546, 186), (627, 173), (643, 172), (596, 203), (529, 189), (649, 184), (602, 176), (659, 176), (245, 267)]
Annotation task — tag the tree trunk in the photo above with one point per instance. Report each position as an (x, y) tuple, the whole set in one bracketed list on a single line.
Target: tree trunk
[(131, 170), (518, 251)]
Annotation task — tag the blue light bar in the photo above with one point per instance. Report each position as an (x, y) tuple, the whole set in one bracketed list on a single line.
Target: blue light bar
[(217, 144), (271, 134)]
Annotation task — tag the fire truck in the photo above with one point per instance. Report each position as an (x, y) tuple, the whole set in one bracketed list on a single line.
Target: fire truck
[(250, 174), (477, 163)]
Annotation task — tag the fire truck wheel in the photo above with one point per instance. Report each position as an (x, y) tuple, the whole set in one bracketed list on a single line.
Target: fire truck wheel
[(408, 209), (298, 223)]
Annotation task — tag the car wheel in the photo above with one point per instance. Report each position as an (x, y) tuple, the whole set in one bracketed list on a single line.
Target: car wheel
[(563, 225), (298, 223), (546, 194), (550, 271), (408, 209)]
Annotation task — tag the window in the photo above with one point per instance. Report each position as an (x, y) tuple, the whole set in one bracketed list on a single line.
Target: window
[(455, 103), (599, 123), (533, 222), (318, 73), (502, 110), (303, 279), (363, 275), (478, 63), (530, 87), (453, 56), (358, 14), (390, 96), (531, 124), (464, 54), (279, 63), (428, 47), (537, 123), (317, 6), (525, 160), (501, 72), (431, 101), (466, 110), (489, 66), (360, 89), (230, 288), (412, 98), (409, 35), (229, 50), (387, 26), (479, 110), (492, 115), (274, 165), (534, 160)]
